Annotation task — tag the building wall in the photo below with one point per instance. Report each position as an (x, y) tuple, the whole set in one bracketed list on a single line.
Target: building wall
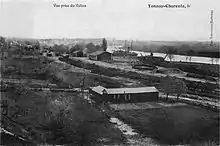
[(95, 96), (125, 98), (132, 98)]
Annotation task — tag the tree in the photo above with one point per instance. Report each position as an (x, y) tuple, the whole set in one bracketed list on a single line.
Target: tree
[(79, 54), (184, 47), (167, 85), (169, 52), (37, 45), (212, 60), (180, 87), (72, 49), (216, 60), (77, 47), (172, 85), (2, 41), (60, 48), (187, 58), (97, 47), (3, 44), (190, 53), (104, 44), (91, 47), (170, 56)]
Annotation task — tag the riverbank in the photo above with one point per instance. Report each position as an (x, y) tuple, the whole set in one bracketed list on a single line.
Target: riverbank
[(182, 58)]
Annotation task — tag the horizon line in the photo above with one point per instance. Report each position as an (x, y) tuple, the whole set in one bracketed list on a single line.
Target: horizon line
[(108, 38)]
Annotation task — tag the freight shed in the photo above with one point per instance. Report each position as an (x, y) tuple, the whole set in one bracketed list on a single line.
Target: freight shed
[(100, 56), (124, 95)]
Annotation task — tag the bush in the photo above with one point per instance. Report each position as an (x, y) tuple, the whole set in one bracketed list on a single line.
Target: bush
[(70, 121)]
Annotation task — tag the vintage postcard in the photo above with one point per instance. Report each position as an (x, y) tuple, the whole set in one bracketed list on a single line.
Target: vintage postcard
[(110, 72)]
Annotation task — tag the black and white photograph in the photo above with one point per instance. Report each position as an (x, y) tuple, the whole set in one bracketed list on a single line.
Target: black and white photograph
[(110, 72)]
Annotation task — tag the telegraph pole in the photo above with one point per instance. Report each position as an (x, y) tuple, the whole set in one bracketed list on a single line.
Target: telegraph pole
[(211, 24)]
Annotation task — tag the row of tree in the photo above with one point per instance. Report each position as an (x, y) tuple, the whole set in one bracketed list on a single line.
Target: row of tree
[(172, 85), (19, 47), (27, 45), (3, 43), (170, 51), (79, 47)]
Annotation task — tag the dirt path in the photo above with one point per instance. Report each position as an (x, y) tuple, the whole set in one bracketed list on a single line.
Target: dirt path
[(202, 103)]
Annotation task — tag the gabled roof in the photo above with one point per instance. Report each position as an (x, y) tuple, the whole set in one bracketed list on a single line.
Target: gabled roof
[(98, 53), (100, 89), (131, 90)]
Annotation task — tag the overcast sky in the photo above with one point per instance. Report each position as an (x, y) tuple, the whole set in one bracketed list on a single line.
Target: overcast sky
[(121, 19)]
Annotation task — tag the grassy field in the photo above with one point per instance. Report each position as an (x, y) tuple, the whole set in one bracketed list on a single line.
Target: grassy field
[(175, 125)]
